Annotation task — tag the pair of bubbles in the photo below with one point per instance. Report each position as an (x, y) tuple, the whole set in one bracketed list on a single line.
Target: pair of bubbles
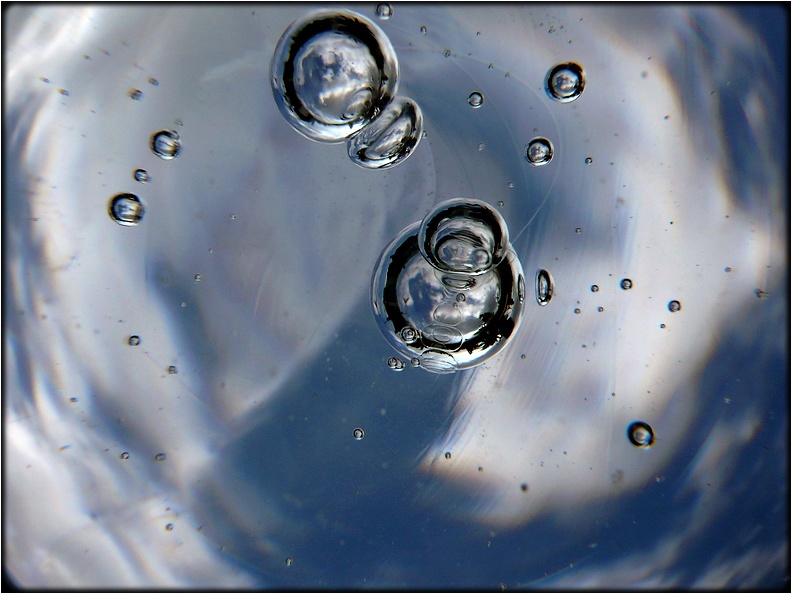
[(126, 209), (334, 77)]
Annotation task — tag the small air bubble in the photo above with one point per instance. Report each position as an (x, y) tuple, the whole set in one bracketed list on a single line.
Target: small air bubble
[(674, 306), (501, 203), (160, 457), (173, 370), (289, 561), (168, 526), (662, 325), (448, 455), (124, 455), (594, 288), (524, 487), (142, 176), (73, 399), (166, 144), (475, 99), (544, 287), (565, 82), (539, 151), (481, 146), (589, 160), (415, 362), (126, 210), (135, 94), (358, 433), (447, 52), (600, 309), (153, 81), (577, 310), (510, 185), (63, 92), (578, 230), (423, 30), (197, 278), (640, 434), (384, 11), (44, 79), (626, 284), (727, 269), (134, 340)]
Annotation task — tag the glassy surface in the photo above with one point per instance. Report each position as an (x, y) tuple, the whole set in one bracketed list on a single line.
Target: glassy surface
[(201, 397)]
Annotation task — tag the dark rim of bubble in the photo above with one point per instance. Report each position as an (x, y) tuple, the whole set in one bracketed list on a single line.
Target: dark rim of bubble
[(572, 66), (640, 425)]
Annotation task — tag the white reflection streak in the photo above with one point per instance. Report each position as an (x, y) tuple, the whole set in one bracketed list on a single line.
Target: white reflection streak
[(544, 405)]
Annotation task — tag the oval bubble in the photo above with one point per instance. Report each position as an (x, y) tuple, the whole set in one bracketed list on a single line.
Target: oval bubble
[(332, 73), (390, 138), (410, 294), (565, 82), (544, 287), (463, 236), (126, 210)]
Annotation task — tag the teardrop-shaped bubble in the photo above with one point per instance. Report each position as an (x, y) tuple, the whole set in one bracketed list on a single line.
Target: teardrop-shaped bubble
[(332, 73), (565, 82), (539, 151), (390, 138), (544, 287), (166, 144), (126, 210), (418, 307), (463, 236)]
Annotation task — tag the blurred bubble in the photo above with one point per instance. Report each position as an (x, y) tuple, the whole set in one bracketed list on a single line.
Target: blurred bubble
[(390, 138), (134, 340), (589, 160), (640, 434), (126, 210), (153, 81), (577, 310), (476, 99), (332, 73), (448, 455), (423, 30), (136, 94), (384, 11), (160, 457), (289, 561), (539, 151), (166, 144), (197, 278), (544, 287), (448, 292), (173, 370), (358, 433), (141, 175), (124, 455), (169, 526), (565, 82), (674, 306), (594, 288)]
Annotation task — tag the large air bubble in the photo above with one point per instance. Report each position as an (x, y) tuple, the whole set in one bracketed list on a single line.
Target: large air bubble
[(332, 73), (390, 138), (455, 304)]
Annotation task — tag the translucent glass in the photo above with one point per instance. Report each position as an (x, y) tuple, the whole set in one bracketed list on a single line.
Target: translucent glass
[(249, 431)]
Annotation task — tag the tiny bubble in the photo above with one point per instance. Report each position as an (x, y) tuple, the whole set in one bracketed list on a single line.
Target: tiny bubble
[(73, 399), (63, 92), (524, 487), (578, 230), (589, 160), (577, 310), (600, 309), (594, 288), (289, 561)]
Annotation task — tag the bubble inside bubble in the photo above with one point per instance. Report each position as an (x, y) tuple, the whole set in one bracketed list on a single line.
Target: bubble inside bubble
[(333, 72), (126, 210), (460, 235), (166, 144), (475, 99), (565, 82), (539, 151), (441, 319), (384, 11), (544, 287), (390, 138), (640, 434), (674, 306)]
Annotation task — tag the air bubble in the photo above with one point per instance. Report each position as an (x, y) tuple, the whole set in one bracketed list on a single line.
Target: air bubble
[(565, 82), (197, 278), (600, 309), (166, 144), (134, 340), (594, 288), (626, 284), (539, 151), (173, 370), (674, 306), (289, 561), (640, 434), (396, 364), (476, 99), (135, 94), (332, 73), (390, 138), (358, 433), (480, 146), (169, 526), (160, 457), (126, 210), (124, 455), (448, 455), (423, 30), (153, 81), (544, 287), (466, 236), (447, 292), (577, 310), (578, 230), (589, 160), (384, 11), (142, 176)]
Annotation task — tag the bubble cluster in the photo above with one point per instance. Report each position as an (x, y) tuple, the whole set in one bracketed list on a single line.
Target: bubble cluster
[(565, 82), (395, 363), (126, 210), (173, 370), (390, 138), (334, 75), (448, 291), (544, 287), (640, 434), (166, 144), (539, 152)]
